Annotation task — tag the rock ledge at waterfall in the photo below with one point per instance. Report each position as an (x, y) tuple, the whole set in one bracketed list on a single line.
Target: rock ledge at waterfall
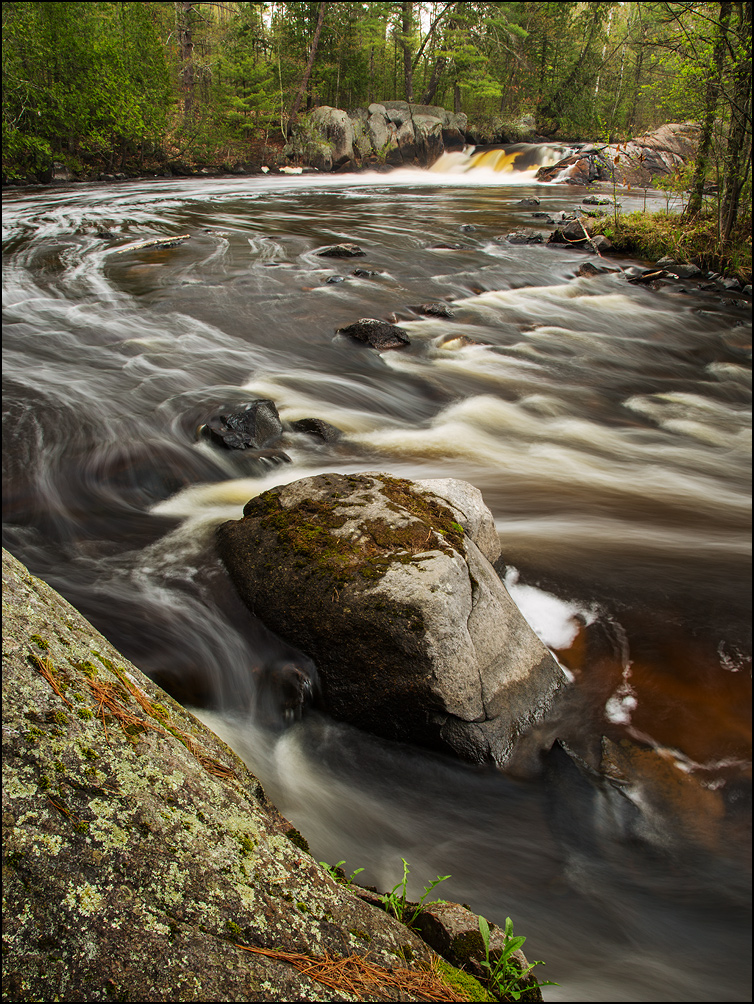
[(387, 585)]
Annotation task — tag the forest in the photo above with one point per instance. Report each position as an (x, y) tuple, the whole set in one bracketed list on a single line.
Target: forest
[(134, 87)]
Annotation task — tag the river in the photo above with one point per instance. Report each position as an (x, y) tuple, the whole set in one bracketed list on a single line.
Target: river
[(608, 427)]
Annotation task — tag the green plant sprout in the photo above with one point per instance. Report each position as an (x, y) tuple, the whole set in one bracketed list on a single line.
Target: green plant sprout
[(336, 872), (395, 901), (504, 976)]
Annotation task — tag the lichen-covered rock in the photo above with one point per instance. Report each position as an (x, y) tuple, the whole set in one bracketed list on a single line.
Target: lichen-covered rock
[(381, 582), (337, 128), (138, 850)]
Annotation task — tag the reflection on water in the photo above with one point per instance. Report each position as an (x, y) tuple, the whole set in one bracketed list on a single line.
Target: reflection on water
[(608, 427)]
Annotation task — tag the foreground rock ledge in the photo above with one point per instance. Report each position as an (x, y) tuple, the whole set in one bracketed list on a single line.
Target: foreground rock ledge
[(387, 585), (137, 848)]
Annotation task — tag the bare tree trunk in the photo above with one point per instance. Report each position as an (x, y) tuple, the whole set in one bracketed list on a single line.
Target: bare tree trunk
[(457, 98), (711, 99), (738, 152), (407, 17), (310, 63), (186, 41), (434, 80)]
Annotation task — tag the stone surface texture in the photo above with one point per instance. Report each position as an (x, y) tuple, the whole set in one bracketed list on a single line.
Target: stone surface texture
[(138, 850), (387, 585)]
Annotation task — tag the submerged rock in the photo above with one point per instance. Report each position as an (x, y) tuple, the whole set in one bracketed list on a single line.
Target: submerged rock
[(387, 586), (316, 427), (376, 334), (434, 310), (342, 251)]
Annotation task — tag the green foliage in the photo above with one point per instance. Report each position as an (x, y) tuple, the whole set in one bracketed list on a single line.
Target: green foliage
[(395, 901), (80, 79), (506, 978), (336, 872)]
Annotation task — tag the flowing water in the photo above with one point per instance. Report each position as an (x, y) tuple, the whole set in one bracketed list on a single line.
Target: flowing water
[(608, 427)]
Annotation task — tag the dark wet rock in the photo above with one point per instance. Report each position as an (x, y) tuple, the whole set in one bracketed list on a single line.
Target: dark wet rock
[(542, 216), (453, 931), (648, 276), (138, 849), (334, 279), (527, 236), (254, 426), (575, 232), (528, 202), (387, 585), (376, 334), (342, 251), (589, 269), (364, 273), (434, 310), (107, 235), (596, 200), (449, 247), (467, 228), (316, 427)]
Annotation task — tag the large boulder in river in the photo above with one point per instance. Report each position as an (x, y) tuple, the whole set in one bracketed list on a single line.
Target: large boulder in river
[(139, 853), (387, 585)]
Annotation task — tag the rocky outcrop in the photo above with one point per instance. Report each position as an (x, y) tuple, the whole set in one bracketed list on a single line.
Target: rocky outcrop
[(394, 133), (636, 162), (387, 585), (139, 853)]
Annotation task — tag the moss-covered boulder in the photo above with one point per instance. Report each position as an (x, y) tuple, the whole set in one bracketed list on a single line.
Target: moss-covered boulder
[(381, 582), (139, 853)]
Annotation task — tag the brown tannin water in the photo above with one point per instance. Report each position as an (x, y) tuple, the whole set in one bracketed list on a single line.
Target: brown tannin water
[(608, 426)]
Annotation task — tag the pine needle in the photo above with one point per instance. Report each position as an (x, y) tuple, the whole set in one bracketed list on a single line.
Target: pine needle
[(363, 979)]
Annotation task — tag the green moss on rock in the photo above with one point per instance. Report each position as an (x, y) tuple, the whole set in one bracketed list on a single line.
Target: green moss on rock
[(464, 983)]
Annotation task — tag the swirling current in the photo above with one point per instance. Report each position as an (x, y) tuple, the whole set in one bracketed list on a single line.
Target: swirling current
[(608, 426)]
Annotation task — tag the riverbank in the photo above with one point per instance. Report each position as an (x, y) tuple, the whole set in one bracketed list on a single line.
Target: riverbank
[(695, 242)]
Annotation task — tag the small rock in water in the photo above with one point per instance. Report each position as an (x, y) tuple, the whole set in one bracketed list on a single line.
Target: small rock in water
[(449, 247), (528, 202), (342, 251), (335, 278), (253, 426), (364, 273), (587, 270), (527, 236), (316, 427), (596, 200), (376, 334), (434, 310), (467, 228)]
